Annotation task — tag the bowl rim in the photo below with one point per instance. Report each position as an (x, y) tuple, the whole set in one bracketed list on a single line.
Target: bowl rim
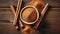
[(29, 6)]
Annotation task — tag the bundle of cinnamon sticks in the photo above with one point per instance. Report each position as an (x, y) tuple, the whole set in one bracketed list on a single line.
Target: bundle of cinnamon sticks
[(32, 14)]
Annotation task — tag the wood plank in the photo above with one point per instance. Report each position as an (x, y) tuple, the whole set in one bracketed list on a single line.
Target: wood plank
[(3, 3), (51, 22), (8, 28)]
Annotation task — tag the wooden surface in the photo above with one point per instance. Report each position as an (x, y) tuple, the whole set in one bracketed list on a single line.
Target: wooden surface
[(49, 25)]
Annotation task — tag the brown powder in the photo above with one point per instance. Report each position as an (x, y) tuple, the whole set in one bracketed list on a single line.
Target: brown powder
[(29, 15)]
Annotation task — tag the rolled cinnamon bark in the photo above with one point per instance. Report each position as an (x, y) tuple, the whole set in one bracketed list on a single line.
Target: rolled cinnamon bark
[(37, 3)]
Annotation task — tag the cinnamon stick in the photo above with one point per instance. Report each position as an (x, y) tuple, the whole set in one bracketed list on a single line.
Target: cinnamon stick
[(41, 17)]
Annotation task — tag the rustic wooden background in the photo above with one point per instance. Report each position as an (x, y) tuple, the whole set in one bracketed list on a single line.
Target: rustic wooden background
[(49, 25)]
